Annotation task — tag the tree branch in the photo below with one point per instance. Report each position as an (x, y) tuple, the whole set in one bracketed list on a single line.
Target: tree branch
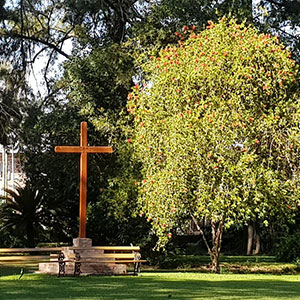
[(37, 40), (290, 6), (202, 233)]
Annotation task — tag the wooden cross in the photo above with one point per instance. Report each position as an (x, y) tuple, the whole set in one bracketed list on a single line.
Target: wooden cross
[(83, 149)]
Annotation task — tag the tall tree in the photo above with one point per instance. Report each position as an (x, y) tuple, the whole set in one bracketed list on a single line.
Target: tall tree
[(96, 84), (216, 127), (99, 94), (30, 29)]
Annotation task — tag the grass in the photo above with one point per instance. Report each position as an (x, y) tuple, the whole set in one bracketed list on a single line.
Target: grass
[(185, 283), (152, 285), (231, 264)]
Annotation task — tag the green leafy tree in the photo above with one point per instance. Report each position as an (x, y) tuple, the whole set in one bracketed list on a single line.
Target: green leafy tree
[(57, 175), (216, 127), (97, 86)]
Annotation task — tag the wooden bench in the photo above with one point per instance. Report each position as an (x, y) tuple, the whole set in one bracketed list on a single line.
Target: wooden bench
[(110, 255), (22, 256), (19, 253)]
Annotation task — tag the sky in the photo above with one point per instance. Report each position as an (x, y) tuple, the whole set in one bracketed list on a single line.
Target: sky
[(36, 77)]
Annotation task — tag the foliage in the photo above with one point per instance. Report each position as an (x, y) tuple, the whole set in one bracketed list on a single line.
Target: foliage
[(162, 18), (30, 28), (98, 76), (58, 174), (24, 214), (283, 18), (216, 129), (111, 193), (269, 16), (176, 14), (101, 21), (112, 218), (229, 264), (97, 86), (288, 248)]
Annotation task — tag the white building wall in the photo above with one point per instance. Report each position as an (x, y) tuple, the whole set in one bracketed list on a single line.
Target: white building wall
[(10, 169)]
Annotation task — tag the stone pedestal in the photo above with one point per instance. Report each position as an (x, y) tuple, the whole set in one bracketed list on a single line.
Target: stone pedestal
[(83, 246), (82, 243)]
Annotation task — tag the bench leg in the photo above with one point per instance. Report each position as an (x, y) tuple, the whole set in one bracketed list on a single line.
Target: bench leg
[(77, 264), (137, 264), (61, 269), (77, 270), (61, 265), (137, 268)]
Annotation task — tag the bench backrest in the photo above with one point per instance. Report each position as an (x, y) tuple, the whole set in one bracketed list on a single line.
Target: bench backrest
[(30, 250), (110, 248), (109, 252)]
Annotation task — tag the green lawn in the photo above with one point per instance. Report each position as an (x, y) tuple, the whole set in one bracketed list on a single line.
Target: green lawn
[(151, 285), (231, 264)]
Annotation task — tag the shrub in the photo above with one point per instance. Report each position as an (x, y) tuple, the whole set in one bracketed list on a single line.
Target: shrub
[(288, 250)]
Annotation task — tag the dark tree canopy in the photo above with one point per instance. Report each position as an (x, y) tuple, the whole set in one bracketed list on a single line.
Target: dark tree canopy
[(282, 17)]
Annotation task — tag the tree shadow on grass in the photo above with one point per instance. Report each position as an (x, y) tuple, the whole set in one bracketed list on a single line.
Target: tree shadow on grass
[(11, 270), (151, 286)]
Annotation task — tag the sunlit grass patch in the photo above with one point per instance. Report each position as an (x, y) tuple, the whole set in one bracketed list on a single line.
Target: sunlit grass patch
[(152, 285)]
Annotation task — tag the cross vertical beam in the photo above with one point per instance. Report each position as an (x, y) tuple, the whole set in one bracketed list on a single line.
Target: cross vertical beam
[(83, 149), (83, 181)]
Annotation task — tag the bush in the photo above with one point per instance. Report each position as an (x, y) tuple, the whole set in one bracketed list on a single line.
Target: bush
[(288, 250)]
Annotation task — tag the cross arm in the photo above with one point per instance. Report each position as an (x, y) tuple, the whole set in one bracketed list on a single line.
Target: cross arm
[(99, 149), (68, 149), (79, 149)]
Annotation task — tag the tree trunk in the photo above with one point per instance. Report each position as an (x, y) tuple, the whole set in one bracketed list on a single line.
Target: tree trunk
[(215, 263), (257, 243), (253, 240), (250, 238), (217, 233), (214, 251)]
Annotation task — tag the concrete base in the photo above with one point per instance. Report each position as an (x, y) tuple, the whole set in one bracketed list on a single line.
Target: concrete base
[(87, 268), (82, 243)]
